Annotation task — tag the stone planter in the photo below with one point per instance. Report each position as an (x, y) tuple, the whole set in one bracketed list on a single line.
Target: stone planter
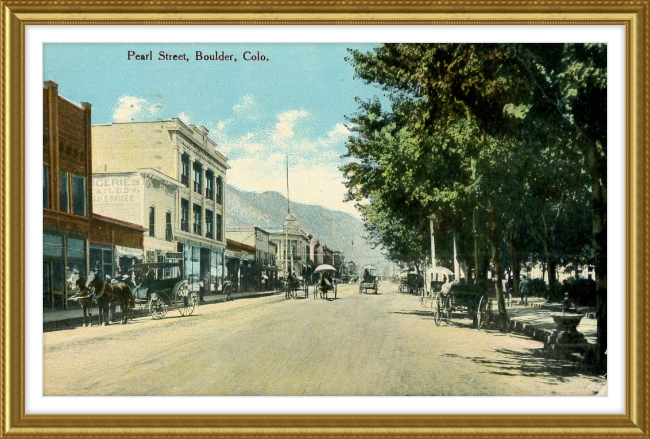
[(569, 339)]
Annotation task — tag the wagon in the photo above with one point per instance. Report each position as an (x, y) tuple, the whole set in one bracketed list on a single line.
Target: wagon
[(368, 280), (297, 286), (328, 271), (411, 283), (161, 286), (474, 299)]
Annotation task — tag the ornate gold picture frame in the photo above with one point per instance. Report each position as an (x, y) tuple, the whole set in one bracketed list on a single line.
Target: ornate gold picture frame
[(633, 15)]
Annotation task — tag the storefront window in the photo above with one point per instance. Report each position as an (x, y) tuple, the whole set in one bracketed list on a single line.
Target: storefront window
[(192, 258), (76, 249), (101, 261), (52, 246), (76, 262), (196, 260), (57, 288)]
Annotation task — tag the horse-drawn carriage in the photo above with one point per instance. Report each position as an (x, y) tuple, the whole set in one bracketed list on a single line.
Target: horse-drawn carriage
[(473, 299), (411, 283), (326, 283), (297, 285), (369, 280), (160, 285)]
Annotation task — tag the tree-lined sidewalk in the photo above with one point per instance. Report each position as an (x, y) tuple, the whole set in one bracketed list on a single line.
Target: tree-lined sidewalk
[(504, 143)]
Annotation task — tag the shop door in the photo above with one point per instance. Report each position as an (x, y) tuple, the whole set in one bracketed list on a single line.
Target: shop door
[(47, 285), (53, 284), (205, 267)]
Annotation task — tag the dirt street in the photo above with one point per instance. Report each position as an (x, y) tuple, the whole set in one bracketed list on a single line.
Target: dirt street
[(384, 344)]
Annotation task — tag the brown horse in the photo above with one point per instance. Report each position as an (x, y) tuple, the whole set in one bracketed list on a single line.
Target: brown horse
[(108, 294), (83, 296)]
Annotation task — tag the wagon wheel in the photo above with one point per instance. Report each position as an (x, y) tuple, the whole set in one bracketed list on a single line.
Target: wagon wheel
[(482, 313), (316, 291), (185, 301), (423, 299), (158, 306), (436, 304), (448, 309)]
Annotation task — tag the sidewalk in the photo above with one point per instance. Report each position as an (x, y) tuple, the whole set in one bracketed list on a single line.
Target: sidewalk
[(54, 320), (536, 321)]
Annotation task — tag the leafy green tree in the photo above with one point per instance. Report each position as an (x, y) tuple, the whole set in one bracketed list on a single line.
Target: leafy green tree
[(492, 127)]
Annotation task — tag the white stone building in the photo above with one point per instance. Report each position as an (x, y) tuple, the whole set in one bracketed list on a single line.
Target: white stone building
[(179, 197)]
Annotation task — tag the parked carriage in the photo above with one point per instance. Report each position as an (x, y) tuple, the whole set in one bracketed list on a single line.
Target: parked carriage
[(473, 299), (369, 280), (161, 286), (411, 283)]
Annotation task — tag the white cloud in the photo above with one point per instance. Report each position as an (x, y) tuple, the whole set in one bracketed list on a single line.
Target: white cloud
[(134, 109), (247, 107), (184, 117), (339, 130), (284, 128)]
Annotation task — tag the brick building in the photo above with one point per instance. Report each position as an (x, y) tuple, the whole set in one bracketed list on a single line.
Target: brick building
[(70, 230)]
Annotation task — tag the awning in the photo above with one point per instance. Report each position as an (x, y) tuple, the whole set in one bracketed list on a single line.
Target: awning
[(127, 252)]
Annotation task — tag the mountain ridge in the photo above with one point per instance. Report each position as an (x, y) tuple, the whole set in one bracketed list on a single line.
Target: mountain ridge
[(337, 230)]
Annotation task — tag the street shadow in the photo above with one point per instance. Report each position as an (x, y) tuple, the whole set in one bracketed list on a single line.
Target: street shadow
[(532, 363), (419, 313)]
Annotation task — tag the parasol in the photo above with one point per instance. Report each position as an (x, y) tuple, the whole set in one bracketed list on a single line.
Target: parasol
[(324, 267)]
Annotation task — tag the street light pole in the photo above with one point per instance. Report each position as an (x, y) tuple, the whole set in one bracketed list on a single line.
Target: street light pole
[(433, 241)]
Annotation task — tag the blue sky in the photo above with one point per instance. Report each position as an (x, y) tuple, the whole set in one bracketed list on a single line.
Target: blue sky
[(257, 111)]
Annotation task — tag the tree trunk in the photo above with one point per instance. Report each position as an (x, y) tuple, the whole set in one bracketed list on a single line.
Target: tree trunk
[(498, 275), (599, 190), (515, 262), (477, 275), (550, 261), (550, 269)]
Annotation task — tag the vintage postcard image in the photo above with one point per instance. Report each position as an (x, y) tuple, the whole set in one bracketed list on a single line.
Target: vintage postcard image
[(325, 219)]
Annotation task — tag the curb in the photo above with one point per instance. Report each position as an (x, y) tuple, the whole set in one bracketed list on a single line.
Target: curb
[(549, 338), (77, 322)]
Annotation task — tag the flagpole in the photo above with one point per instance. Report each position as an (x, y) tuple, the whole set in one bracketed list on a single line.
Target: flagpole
[(286, 234)]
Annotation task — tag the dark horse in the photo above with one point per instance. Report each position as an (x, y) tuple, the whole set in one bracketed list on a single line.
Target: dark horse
[(108, 294), (84, 297)]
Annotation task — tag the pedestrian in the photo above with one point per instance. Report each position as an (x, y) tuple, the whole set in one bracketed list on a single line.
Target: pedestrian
[(524, 291), (323, 285)]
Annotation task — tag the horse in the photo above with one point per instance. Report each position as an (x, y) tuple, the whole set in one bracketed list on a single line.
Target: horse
[(324, 285), (108, 294), (84, 297)]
